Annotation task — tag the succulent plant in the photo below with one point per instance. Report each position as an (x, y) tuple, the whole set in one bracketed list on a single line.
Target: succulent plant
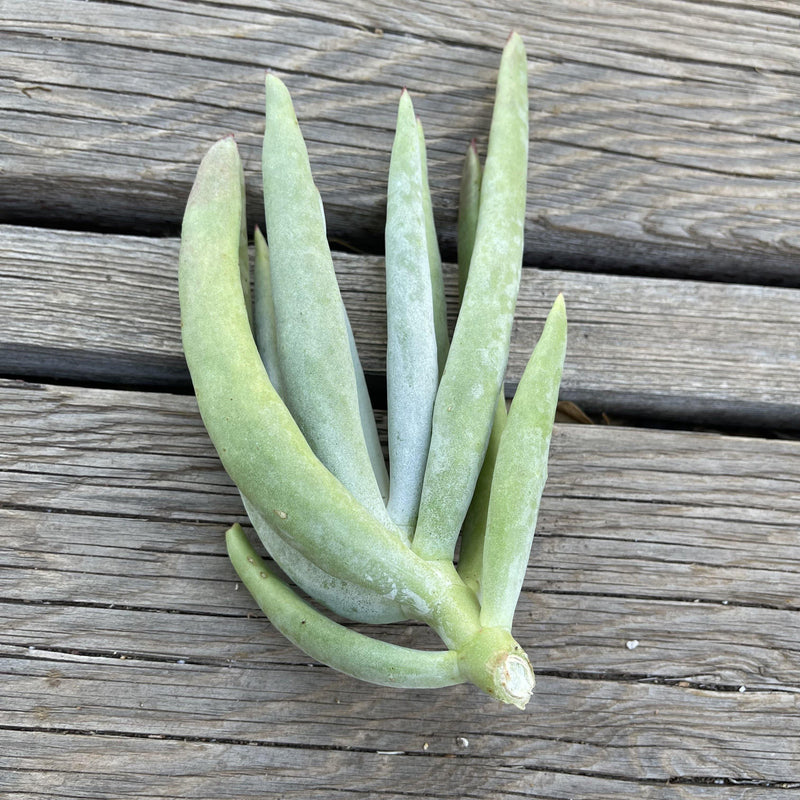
[(282, 393)]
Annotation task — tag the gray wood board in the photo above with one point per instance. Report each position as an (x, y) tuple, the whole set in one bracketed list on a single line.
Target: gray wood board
[(663, 138), (102, 307), (125, 638), (99, 766)]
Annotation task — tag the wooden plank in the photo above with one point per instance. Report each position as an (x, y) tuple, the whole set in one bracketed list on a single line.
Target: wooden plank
[(89, 307), (621, 503), (702, 645), (645, 155), (684, 543), (681, 350), (45, 764), (656, 732)]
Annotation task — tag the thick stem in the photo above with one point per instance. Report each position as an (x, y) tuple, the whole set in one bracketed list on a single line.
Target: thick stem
[(455, 612), (494, 662), (488, 657)]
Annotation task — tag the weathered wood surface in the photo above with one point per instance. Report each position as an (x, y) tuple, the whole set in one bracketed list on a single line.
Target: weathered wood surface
[(662, 601), (124, 630), (664, 137), (106, 766), (681, 350)]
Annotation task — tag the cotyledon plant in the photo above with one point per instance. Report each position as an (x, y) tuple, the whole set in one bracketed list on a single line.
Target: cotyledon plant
[(282, 393)]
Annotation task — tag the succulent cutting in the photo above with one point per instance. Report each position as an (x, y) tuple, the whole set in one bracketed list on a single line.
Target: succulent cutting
[(282, 393)]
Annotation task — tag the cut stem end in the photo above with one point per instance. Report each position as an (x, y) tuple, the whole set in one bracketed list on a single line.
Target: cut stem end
[(494, 662)]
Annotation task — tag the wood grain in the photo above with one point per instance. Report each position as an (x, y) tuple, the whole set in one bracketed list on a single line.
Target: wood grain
[(661, 605), (657, 731), (99, 765), (619, 500), (106, 309), (664, 138), (122, 624)]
